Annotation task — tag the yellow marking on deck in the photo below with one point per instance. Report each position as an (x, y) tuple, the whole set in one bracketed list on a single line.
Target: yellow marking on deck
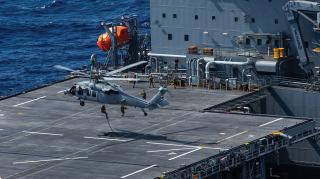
[(277, 133)]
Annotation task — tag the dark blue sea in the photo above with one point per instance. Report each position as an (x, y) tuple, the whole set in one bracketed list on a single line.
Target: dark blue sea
[(35, 35)]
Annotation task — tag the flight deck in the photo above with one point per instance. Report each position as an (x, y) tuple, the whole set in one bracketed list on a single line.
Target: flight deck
[(46, 134)]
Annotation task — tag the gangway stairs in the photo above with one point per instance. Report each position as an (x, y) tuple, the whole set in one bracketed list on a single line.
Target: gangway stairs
[(247, 156)]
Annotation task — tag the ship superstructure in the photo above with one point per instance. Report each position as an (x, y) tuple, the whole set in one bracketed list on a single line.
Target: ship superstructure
[(230, 29)]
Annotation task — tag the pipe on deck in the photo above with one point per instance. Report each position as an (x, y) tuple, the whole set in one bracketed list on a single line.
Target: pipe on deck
[(209, 63), (198, 66), (213, 62)]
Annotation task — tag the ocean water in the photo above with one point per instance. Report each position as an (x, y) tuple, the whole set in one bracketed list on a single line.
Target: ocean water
[(35, 35)]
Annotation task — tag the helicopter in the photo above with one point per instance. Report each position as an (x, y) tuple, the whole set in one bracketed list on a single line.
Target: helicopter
[(99, 89)]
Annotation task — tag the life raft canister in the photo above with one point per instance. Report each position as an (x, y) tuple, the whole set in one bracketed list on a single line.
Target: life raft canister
[(122, 36)]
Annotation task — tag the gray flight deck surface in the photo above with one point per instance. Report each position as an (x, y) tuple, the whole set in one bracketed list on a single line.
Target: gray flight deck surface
[(45, 134)]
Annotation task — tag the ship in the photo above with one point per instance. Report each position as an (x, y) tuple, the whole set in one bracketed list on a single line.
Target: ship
[(243, 104)]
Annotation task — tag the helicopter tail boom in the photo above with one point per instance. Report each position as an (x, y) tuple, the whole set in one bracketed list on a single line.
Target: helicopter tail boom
[(158, 100)]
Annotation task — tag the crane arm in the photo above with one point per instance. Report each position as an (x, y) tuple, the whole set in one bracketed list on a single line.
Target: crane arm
[(294, 9), (301, 7)]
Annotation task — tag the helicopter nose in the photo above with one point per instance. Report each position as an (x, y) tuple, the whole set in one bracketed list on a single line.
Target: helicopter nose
[(65, 92)]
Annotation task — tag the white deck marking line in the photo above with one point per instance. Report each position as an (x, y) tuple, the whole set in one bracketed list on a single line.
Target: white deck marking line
[(138, 171), (75, 153), (102, 138), (187, 146), (240, 133), (52, 124), (49, 160), (29, 101), (155, 151), (265, 124), (199, 148), (42, 133), (177, 145)]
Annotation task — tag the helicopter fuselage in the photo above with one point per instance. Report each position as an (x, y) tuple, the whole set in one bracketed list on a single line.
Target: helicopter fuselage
[(106, 93)]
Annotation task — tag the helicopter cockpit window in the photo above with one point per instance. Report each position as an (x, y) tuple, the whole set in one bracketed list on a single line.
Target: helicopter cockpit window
[(94, 94), (80, 91), (73, 90)]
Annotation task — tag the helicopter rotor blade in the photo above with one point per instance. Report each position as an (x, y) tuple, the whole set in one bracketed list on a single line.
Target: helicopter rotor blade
[(60, 67), (126, 67), (120, 79)]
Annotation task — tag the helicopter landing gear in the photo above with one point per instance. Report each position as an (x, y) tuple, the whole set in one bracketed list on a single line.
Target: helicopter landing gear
[(144, 112), (82, 103)]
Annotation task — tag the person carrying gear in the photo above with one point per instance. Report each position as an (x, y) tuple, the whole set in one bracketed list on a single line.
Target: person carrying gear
[(134, 82), (174, 82), (104, 111), (123, 108), (151, 81), (144, 95)]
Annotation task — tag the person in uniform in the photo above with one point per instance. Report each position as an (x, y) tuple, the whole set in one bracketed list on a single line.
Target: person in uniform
[(151, 81), (104, 111), (123, 108), (174, 82), (134, 82), (144, 95)]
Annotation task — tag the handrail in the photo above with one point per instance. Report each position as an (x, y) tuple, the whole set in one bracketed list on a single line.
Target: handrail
[(239, 155)]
